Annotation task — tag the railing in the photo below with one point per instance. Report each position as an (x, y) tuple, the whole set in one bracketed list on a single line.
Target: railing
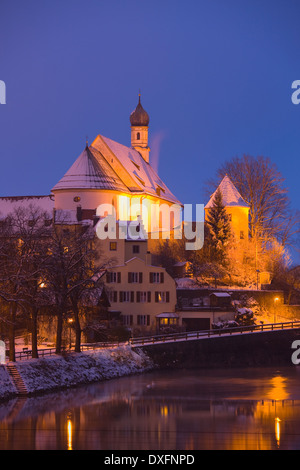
[(140, 341), (162, 338), (27, 353)]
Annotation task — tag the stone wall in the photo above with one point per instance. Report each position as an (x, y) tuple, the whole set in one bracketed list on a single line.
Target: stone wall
[(245, 350)]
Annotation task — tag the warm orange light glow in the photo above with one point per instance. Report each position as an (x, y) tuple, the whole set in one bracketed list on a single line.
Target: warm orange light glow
[(277, 430), (278, 390), (69, 431)]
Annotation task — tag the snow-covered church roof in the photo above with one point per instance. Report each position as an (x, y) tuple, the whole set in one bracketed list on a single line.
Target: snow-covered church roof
[(106, 164), (231, 196), (90, 171)]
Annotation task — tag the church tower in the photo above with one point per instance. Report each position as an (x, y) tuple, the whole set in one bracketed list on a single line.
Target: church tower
[(139, 120), (236, 207)]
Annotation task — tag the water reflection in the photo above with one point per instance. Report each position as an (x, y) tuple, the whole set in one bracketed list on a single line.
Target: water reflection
[(183, 410)]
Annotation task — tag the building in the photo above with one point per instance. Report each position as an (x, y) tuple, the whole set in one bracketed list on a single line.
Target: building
[(109, 178), (145, 295), (236, 207)]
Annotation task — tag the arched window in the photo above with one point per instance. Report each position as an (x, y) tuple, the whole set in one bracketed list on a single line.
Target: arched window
[(138, 136)]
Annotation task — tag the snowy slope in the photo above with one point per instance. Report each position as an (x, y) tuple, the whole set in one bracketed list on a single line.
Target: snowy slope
[(78, 368)]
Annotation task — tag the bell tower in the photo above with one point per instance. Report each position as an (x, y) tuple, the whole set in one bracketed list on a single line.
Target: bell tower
[(139, 120)]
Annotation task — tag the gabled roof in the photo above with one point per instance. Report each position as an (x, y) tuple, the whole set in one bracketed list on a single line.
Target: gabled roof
[(90, 171), (135, 172), (231, 196)]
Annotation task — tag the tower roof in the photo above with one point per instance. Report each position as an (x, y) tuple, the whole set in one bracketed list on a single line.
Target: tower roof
[(231, 196), (139, 117)]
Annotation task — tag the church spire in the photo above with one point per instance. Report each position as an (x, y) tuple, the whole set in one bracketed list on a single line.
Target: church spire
[(139, 120)]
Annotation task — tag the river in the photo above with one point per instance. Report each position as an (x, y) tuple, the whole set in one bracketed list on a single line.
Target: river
[(226, 409)]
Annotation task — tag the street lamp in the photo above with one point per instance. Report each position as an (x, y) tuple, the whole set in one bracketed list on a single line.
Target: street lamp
[(276, 300)]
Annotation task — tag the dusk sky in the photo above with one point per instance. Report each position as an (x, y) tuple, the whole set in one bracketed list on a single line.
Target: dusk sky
[(215, 78)]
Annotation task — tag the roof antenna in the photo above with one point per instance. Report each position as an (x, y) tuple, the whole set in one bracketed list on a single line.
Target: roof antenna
[(139, 95)]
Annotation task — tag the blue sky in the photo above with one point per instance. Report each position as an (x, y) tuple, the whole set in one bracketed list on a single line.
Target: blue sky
[(215, 78)]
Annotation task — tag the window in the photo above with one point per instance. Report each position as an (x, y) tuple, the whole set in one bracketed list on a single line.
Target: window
[(162, 297), (156, 278), (135, 249), (135, 278), (113, 246), (126, 296), (168, 321), (143, 320), (242, 235), (138, 136), (113, 277), (127, 320), (143, 296), (113, 296)]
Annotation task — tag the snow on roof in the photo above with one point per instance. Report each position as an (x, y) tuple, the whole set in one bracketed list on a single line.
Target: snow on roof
[(90, 171), (167, 315), (231, 196), (220, 294), (10, 204), (132, 169)]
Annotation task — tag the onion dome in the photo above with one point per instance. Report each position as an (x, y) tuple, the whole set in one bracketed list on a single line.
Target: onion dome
[(139, 117)]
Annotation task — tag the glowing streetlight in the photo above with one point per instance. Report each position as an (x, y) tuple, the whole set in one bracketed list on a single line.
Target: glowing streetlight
[(70, 321)]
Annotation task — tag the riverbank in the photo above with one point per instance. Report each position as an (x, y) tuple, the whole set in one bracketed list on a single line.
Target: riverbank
[(59, 372)]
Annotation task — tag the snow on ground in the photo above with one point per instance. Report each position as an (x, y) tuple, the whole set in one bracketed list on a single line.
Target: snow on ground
[(6, 386), (76, 368)]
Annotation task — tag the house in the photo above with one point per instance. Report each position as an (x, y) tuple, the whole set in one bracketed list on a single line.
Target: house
[(198, 308), (143, 294)]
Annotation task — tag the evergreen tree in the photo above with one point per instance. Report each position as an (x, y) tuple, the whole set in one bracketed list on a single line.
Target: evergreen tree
[(219, 227)]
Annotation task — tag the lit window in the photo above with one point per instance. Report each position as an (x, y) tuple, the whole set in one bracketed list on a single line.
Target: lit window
[(113, 246), (242, 235), (162, 297)]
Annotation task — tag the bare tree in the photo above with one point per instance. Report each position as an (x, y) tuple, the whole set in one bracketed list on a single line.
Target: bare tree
[(72, 271), (262, 186), (22, 236)]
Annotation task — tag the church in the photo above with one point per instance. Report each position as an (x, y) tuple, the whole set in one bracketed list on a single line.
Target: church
[(106, 174)]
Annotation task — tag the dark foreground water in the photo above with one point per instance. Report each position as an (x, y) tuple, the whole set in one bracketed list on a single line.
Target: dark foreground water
[(176, 410)]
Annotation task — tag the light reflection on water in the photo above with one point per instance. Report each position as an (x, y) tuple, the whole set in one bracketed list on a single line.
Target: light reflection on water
[(177, 410)]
